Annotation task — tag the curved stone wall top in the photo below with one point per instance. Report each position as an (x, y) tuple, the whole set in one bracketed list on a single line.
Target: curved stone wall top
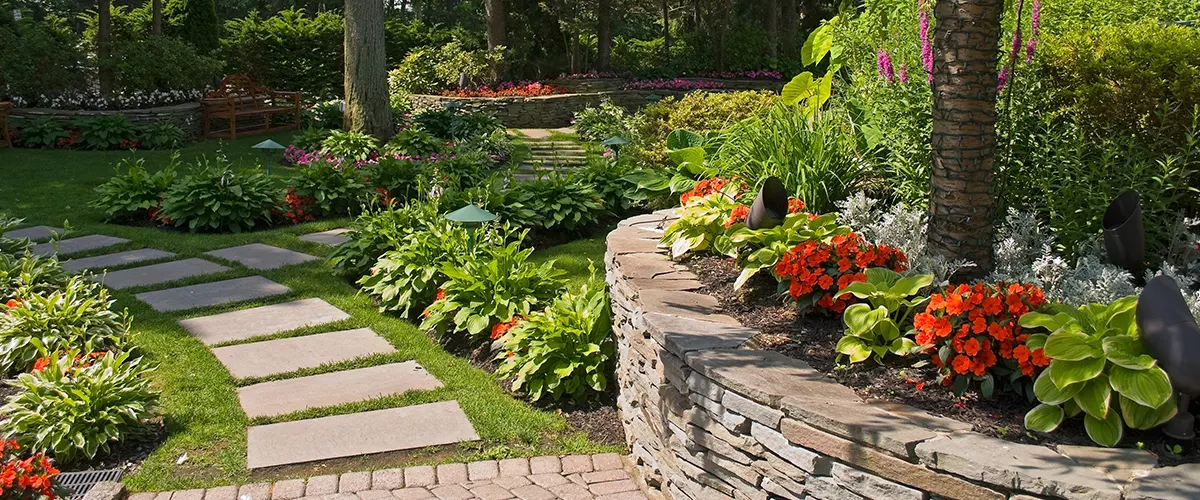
[(186, 116), (709, 416)]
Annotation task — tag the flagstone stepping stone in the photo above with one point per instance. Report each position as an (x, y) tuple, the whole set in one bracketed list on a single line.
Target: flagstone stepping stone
[(357, 434), (260, 256), (76, 245), (272, 357), (286, 396), (332, 237), (158, 273), (211, 294), (115, 259), (259, 321), (35, 233)]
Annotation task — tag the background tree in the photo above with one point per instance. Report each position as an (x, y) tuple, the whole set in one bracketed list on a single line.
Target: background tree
[(367, 108), (603, 34), (495, 23), (962, 200), (104, 46), (195, 21), (156, 12)]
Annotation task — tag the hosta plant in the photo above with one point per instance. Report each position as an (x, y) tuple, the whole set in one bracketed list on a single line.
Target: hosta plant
[(77, 405), (565, 351), (758, 249), (556, 202), (1098, 368), (162, 135), (701, 223), (333, 188), (377, 231), (24, 275), (407, 279), (880, 326), (349, 145), (42, 133), (77, 317), (130, 196), (215, 198), (497, 283), (104, 131)]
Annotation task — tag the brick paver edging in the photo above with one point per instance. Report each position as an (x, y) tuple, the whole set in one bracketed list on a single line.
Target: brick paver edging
[(541, 478)]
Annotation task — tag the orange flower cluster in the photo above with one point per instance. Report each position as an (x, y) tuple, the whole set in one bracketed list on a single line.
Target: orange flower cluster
[(12, 303), (817, 270), (979, 325), (31, 478), (741, 212), (703, 188), (502, 328), (299, 207), (522, 89), (78, 363)]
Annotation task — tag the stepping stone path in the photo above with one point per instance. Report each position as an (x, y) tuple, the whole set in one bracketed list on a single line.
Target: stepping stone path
[(572, 477), (35, 233), (212, 294), (272, 357), (285, 396), (75, 245), (158, 273), (260, 321), (262, 257), (332, 237), (548, 155), (115, 259)]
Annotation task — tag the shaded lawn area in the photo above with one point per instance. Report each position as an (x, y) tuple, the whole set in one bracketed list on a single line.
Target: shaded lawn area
[(199, 399)]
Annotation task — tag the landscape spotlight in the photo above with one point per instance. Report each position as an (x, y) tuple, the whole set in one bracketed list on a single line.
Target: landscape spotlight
[(266, 147)]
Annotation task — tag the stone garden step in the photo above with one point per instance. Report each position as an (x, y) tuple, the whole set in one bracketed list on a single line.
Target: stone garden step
[(76, 245), (211, 294), (260, 321), (286, 396), (158, 273), (357, 434), (260, 256), (332, 237), (35, 233), (115, 259), (272, 357)]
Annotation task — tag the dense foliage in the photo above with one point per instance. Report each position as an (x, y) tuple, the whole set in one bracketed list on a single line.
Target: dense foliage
[(213, 197)]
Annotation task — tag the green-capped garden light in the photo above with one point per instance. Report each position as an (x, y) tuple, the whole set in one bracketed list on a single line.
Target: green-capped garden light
[(614, 143), (266, 147), (471, 217)]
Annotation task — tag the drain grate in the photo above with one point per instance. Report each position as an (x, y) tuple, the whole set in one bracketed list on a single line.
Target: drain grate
[(79, 483)]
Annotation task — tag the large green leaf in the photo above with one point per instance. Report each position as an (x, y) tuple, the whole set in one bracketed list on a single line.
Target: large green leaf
[(1051, 322), (1143, 417), (1094, 398), (1048, 393), (1044, 418), (855, 348), (1106, 432), (1070, 346), (911, 285), (860, 318), (683, 139), (1126, 351), (801, 87), (817, 45), (1149, 387), (1065, 373)]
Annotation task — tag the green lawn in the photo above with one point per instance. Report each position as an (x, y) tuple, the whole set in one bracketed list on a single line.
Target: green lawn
[(199, 400)]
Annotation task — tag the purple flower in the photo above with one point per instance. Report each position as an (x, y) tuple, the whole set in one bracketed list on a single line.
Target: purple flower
[(1002, 78), (884, 60), (926, 46), (903, 73), (1030, 48), (1016, 45), (1035, 30)]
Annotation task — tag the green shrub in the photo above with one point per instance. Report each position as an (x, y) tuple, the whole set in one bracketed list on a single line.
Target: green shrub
[(412, 142), (407, 279), (456, 125), (401, 179), (608, 180), (40, 58), (104, 131), (291, 50), (599, 123), (334, 190), (349, 145), (162, 135), (310, 138), (75, 409), (24, 275), (215, 198), (496, 284), (565, 351), (428, 70), (552, 203), (326, 115), (697, 111), (42, 133), (149, 63), (195, 21), (377, 231), (79, 316), (879, 326), (131, 196)]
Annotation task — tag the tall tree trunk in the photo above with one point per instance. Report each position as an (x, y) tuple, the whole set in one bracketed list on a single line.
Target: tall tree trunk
[(418, 7), (156, 17), (962, 205), (789, 35), (666, 11), (104, 46), (367, 108), (773, 30), (604, 34), (495, 16)]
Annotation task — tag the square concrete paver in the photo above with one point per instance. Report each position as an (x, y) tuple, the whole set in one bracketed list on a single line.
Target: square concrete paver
[(259, 321), (260, 359), (357, 434), (211, 294), (75, 245), (260, 256), (35, 233), (332, 237), (115, 259), (159, 273), (285, 396)]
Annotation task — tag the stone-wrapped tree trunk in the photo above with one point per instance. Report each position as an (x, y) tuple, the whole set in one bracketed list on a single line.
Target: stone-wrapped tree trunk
[(962, 202), (603, 34), (367, 107)]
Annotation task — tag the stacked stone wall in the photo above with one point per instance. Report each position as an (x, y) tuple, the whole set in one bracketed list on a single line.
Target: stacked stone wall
[(185, 116)]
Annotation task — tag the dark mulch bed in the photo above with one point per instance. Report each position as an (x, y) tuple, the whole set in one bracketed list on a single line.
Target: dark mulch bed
[(813, 338)]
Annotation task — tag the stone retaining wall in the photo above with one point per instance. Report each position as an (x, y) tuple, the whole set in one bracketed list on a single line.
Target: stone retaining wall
[(709, 417), (611, 84), (185, 116)]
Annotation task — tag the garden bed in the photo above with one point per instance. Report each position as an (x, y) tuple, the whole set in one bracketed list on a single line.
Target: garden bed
[(185, 116)]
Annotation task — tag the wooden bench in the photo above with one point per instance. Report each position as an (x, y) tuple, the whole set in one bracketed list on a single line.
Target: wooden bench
[(239, 98), (5, 135)]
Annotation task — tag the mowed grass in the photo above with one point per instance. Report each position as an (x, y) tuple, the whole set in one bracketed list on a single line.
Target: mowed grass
[(206, 442)]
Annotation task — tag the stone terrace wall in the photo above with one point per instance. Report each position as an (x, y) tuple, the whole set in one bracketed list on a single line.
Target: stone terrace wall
[(185, 116), (580, 85), (710, 417)]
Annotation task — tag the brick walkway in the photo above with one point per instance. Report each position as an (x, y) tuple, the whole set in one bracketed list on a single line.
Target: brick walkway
[(540, 478)]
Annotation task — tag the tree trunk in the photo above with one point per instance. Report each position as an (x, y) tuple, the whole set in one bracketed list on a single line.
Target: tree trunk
[(666, 11), (156, 17), (604, 34), (104, 46), (367, 108), (962, 205), (789, 35), (495, 16), (773, 30)]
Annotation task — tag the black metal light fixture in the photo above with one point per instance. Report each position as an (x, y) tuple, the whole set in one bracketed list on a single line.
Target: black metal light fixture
[(1124, 234), (770, 206), (1170, 333)]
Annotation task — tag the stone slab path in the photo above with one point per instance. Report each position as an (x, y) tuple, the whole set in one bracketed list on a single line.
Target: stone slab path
[(573, 477), (272, 357), (118, 259), (35, 233), (261, 321), (356, 434), (158, 273), (211, 294), (75, 245), (332, 237), (281, 397), (262, 257)]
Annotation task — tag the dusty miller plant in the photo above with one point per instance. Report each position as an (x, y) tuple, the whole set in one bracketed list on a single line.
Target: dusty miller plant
[(900, 227)]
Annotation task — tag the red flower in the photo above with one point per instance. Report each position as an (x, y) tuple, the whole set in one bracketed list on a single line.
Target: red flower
[(441, 294), (502, 328), (795, 206), (41, 364), (832, 266), (738, 215)]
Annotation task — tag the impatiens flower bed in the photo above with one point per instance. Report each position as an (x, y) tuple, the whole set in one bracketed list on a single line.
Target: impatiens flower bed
[(508, 89), (31, 478), (754, 74), (814, 271)]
